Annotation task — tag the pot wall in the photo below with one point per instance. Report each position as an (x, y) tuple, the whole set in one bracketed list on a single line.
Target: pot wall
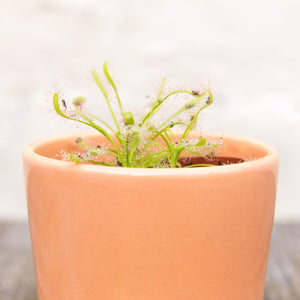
[(142, 234)]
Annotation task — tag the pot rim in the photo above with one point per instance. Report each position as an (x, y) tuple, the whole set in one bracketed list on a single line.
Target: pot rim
[(29, 154)]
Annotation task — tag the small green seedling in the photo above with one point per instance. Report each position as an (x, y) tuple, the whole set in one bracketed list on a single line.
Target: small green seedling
[(137, 142)]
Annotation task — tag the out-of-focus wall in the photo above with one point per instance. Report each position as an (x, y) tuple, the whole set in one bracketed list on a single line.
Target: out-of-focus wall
[(248, 50)]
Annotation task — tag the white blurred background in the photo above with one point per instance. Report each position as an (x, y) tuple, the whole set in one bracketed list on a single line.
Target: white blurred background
[(248, 50)]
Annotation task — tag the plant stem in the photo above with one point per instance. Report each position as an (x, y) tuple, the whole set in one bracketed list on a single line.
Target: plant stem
[(189, 127), (158, 103), (199, 165), (102, 89), (112, 84), (195, 100), (89, 123)]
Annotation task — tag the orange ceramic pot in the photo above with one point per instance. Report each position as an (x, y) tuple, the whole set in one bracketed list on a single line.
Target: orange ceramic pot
[(113, 233)]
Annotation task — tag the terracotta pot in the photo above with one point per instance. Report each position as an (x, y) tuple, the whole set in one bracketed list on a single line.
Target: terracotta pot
[(114, 233)]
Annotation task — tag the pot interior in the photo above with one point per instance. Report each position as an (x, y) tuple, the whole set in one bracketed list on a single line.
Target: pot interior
[(237, 148)]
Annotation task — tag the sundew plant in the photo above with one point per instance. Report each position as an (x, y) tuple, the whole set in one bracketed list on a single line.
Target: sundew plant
[(139, 142)]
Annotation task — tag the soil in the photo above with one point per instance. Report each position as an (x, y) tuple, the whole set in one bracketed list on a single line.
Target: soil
[(217, 161)]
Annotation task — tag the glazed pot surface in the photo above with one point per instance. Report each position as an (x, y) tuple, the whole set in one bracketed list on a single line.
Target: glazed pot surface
[(115, 233)]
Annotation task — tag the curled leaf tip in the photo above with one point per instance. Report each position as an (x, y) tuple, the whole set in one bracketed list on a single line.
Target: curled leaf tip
[(78, 101), (128, 118)]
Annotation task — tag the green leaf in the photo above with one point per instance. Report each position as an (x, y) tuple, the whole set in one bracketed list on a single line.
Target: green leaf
[(128, 118), (201, 142)]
